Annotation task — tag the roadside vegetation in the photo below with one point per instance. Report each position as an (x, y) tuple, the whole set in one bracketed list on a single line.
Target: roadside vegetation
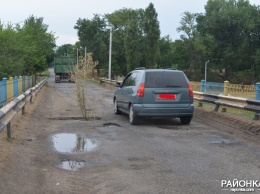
[(44, 73), (26, 48), (227, 34)]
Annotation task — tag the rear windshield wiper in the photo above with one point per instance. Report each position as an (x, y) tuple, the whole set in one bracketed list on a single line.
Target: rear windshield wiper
[(172, 86)]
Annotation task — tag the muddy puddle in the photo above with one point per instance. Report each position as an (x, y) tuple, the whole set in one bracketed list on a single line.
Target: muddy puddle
[(71, 165), (73, 143)]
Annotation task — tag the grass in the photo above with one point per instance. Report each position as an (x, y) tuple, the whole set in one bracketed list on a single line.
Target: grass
[(229, 110), (241, 112), (45, 73)]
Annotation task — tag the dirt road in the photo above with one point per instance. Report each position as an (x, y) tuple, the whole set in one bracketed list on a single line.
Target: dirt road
[(53, 151)]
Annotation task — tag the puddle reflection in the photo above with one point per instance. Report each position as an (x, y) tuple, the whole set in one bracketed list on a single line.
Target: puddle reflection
[(72, 165), (73, 143)]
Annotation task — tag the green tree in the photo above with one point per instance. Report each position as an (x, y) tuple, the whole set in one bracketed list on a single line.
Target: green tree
[(38, 45), (194, 47), (151, 30), (132, 45), (66, 50), (120, 20), (11, 52), (188, 25), (93, 35), (228, 28), (256, 70), (165, 56)]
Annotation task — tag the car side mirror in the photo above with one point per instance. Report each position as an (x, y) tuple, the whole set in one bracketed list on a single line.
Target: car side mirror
[(117, 84)]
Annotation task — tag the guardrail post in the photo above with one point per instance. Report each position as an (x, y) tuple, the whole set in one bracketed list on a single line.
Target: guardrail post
[(23, 110), (9, 134), (226, 84)]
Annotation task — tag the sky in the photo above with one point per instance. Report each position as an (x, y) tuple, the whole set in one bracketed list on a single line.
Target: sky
[(62, 15)]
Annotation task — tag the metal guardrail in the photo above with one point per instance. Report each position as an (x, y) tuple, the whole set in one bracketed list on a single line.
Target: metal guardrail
[(12, 108), (233, 102), (109, 81)]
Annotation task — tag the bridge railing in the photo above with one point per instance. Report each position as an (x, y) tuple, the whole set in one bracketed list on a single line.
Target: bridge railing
[(12, 87), (228, 89), (8, 111)]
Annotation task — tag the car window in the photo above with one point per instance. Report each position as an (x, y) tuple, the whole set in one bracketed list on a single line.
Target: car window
[(165, 79), (130, 80)]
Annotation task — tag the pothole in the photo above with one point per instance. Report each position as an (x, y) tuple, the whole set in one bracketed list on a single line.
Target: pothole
[(75, 118), (71, 165), (111, 125), (73, 143)]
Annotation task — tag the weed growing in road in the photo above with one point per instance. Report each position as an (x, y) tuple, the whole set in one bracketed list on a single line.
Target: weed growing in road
[(81, 85), (84, 67)]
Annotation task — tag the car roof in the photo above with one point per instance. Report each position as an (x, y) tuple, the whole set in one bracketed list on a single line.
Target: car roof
[(157, 70)]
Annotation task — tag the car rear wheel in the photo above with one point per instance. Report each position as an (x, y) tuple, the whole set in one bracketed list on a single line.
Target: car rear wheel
[(185, 120), (132, 116), (116, 110)]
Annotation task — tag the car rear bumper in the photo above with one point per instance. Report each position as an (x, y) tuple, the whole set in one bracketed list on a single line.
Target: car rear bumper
[(140, 110)]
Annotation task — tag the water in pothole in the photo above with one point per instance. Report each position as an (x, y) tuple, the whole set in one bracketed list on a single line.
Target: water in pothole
[(111, 125), (73, 143), (72, 165)]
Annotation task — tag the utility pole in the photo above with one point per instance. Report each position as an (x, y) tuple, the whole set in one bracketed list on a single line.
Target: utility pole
[(110, 53), (206, 64)]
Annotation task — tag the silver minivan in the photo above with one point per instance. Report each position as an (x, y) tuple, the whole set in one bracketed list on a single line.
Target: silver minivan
[(155, 93)]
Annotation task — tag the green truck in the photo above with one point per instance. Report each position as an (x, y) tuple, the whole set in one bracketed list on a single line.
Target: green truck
[(64, 68)]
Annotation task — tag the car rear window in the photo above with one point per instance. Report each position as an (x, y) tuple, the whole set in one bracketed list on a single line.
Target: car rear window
[(165, 79)]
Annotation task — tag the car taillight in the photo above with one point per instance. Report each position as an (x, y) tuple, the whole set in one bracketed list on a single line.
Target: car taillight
[(140, 90), (190, 90)]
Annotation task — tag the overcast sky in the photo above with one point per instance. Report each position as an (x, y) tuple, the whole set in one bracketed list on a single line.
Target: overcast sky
[(62, 15)]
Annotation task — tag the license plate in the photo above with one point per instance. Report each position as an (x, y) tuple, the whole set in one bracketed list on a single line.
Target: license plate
[(166, 96)]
